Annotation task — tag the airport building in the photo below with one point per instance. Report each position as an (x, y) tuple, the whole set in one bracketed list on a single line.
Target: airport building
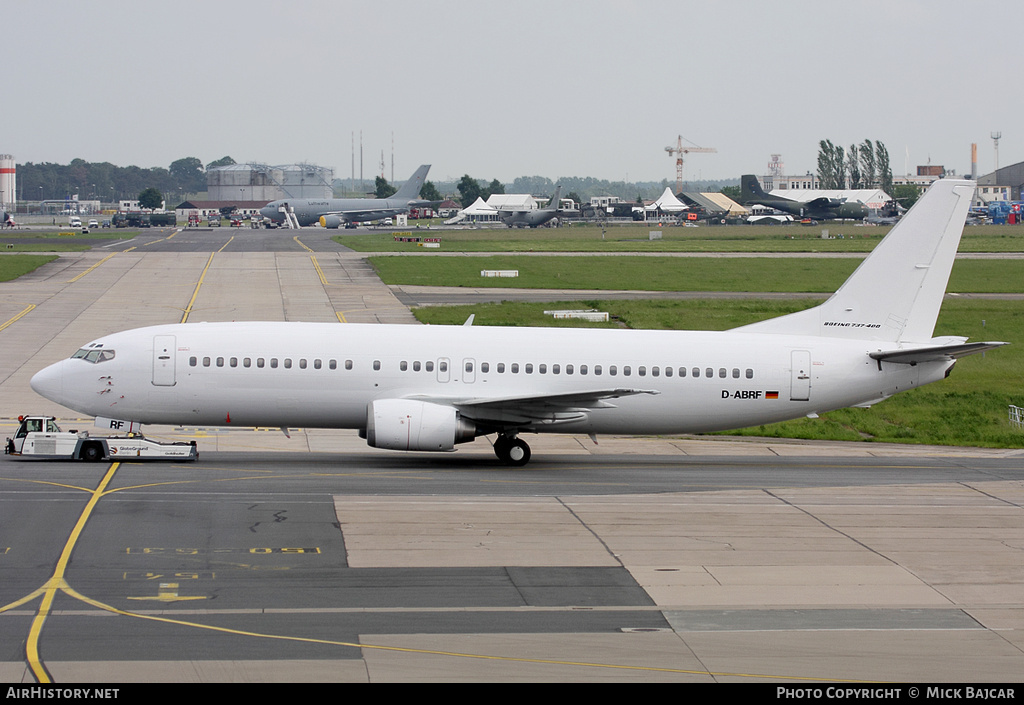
[(260, 182), (1002, 184)]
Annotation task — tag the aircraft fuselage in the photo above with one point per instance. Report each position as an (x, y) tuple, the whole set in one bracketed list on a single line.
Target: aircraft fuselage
[(326, 375)]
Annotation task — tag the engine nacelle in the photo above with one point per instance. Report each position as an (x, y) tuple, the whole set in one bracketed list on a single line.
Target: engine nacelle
[(407, 424), (331, 221)]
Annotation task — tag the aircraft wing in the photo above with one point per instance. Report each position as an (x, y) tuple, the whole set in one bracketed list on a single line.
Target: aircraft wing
[(824, 202), (932, 354), (372, 214), (539, 409)]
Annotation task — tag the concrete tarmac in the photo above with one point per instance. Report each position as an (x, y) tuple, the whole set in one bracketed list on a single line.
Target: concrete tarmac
[(316, 558)]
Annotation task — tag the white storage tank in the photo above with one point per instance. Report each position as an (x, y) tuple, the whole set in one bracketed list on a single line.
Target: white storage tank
[(8, 181)]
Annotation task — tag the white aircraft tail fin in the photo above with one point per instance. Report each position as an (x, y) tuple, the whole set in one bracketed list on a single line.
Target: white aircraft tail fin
[(896, 292)]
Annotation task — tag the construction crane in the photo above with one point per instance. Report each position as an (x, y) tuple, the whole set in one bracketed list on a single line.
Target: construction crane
[(679, 150)]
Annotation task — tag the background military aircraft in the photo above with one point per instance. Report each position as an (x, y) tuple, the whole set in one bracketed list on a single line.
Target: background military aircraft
[(751, 193), (336, 212), (533, 218)]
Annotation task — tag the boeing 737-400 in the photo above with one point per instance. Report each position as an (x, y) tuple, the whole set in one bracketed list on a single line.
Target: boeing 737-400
[(428, 388)]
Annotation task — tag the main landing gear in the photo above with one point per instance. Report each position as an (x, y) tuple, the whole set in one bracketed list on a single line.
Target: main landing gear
[(511, 450)]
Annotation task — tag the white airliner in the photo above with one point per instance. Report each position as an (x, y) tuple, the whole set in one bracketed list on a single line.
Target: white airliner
[(428, 388)]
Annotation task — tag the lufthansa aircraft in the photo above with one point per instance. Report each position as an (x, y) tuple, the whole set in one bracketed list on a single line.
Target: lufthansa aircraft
[(432, 387), (336, 212)]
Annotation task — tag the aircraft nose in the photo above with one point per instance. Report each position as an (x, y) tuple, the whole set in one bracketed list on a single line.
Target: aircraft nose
[(49, 382)]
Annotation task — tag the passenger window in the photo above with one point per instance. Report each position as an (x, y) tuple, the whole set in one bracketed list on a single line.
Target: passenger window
[(220, 362), (260, 362), (696, 372), (469, 366), (233, 362), (247, 362), (287, 363), (529, 368), (542, 368), (709, 372), (722, 372), (568, 369), (206, 362), (597, 369), (515, 368), (376, 364), (655, 372), (193, 361), (442, 366), (317, 364), (348, 364), (485, 367), (556, 369), (302, 363), (626, 371), (501, 368), (428, 365), (750, 373), (642, 371), (735, 372), (668, 371), (613, 370), (583, 369), (682, 371), (403, 366), (416, 366), (273, 363)]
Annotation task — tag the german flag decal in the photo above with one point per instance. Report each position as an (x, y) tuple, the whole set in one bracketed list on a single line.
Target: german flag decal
[(771, 395)]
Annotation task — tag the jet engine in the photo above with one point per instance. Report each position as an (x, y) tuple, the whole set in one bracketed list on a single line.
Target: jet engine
[(331, 221), (407, 424)]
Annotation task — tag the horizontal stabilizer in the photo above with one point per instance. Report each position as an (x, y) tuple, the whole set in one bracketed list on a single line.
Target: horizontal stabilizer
[(937, 353)]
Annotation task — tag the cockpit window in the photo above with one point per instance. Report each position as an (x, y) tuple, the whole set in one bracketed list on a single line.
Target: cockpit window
[(94, 355)]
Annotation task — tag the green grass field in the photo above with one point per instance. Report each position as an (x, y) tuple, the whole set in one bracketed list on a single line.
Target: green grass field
[(844, 237), (969, 408), (14, 266), (652, 273), (59, 240)]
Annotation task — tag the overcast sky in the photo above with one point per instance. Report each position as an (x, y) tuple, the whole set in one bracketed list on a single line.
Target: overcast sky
[(505, 89)]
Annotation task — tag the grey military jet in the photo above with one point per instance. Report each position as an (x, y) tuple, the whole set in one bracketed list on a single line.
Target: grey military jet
[(337, 212), (817, 209), (534, 218)]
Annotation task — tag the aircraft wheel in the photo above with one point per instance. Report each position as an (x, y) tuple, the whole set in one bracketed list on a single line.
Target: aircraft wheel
[(518, 453), (501, 446), (92, 452)]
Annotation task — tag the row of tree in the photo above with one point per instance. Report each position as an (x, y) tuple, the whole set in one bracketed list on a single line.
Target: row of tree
[(864, 166), (105, 182)]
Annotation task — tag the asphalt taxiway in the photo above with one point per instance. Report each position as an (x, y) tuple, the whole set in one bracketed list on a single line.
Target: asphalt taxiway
[(315, 558)]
